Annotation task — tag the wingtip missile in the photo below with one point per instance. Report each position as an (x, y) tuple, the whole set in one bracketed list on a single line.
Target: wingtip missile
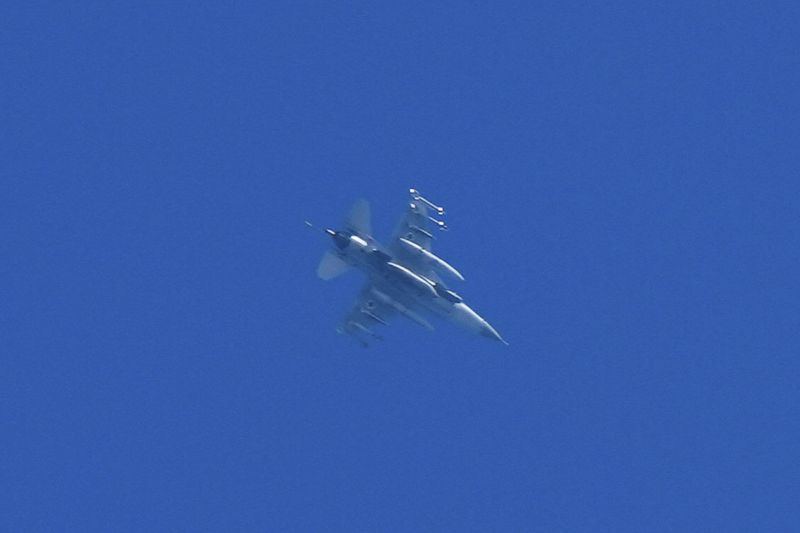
[(417, 197), (440, 223)]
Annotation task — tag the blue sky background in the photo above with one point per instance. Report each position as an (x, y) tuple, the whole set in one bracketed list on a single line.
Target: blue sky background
[(622, 188)]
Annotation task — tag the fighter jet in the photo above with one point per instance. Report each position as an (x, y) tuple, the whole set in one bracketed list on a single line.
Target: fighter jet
[(403, 278)]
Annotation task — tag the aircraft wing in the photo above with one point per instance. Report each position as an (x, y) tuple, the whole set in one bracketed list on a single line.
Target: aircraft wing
[(415, 229), (413, 238), (414, 226), (367, 313)]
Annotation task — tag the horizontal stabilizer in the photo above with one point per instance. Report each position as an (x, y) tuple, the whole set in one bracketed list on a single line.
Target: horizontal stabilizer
[(331, 266)]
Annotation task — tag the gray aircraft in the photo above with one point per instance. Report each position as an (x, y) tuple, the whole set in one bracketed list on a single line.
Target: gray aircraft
[(403, 278)]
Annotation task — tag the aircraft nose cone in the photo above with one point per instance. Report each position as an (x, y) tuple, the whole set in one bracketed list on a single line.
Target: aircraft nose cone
[(490, 332)]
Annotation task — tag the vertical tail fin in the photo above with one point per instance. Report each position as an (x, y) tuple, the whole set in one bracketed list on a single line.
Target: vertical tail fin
[(358, 219)]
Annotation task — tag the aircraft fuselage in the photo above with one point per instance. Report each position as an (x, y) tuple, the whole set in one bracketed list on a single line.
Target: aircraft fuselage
[(401, 287)]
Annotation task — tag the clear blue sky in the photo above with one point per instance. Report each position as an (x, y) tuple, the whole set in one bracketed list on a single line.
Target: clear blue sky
[(622, 187)]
